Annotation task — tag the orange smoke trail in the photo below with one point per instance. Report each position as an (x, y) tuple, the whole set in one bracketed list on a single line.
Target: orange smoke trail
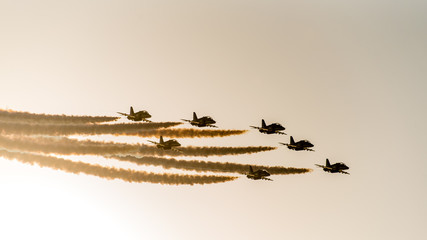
[(186, 133), (89, 129), (14, 116), (64, 146), (68, 146), (203, 166), (204, 151), (110, 172)]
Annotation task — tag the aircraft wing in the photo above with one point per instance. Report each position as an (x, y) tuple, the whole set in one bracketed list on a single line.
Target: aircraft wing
[(124, 114), (322, 166), (177, 150), (344, 172), (186, 120), (146, 120), (153, 142), (209, 125), (255, 127), (284, 143), (267, 179), (280, 133), (257, 178)]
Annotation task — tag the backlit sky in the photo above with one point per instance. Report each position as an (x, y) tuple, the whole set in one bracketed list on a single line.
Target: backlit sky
[(350, 76)]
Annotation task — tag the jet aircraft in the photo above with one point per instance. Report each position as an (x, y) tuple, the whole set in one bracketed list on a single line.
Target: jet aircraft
[(204, 121), (169, 144), (272, 128), (334, 168), (138, 116), (300, 145), (258, 174)]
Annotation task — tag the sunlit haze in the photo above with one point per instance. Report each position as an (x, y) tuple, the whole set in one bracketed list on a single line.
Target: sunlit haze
[(349, 76)]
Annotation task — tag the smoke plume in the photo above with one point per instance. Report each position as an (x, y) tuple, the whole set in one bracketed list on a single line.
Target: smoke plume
[(203, 166), (204, 151), (14, 116), (186, 133), (68, 146), (88, 129), (127, 175), (64, 146)]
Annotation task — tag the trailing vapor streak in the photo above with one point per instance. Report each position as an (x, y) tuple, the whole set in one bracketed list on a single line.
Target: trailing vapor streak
[(206, 151), (89, 129), (67, 146), (203, 166), (109, 173), (186, 133), (64, 146), (14, 116)]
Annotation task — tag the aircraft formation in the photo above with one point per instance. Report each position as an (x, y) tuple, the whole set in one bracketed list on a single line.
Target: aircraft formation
[(277, 128), (273, 128), (38, 139)]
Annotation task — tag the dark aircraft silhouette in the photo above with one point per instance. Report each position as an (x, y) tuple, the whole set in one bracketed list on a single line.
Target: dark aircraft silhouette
[(272, 128), (300, 145), (334, 168), (205, 121), (258, 174), (169, 144), (139, 116)]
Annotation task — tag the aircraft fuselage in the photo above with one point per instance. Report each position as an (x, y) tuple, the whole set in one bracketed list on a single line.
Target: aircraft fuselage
[(259, 174), (139, 116), (203, 122), (168, 144), (336, 167), (271, 129), (301, 145)]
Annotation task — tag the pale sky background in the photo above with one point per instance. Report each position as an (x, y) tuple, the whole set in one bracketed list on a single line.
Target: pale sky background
[(350, 76)]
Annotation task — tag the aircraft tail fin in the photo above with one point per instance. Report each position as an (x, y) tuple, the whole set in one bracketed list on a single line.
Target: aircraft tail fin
[(161, 139), (251, 170), (328, 164), (263, 123), (131, 111), (194, 116), (292, 141)]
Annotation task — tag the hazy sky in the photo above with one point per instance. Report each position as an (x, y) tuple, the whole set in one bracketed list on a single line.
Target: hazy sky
[(350, 76)]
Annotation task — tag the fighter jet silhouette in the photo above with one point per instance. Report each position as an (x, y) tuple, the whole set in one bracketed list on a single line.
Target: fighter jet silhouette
[(300, 145), (169, 144), (139, 116), (258, 174), (334, 168), (204, 121), (272, 128)]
